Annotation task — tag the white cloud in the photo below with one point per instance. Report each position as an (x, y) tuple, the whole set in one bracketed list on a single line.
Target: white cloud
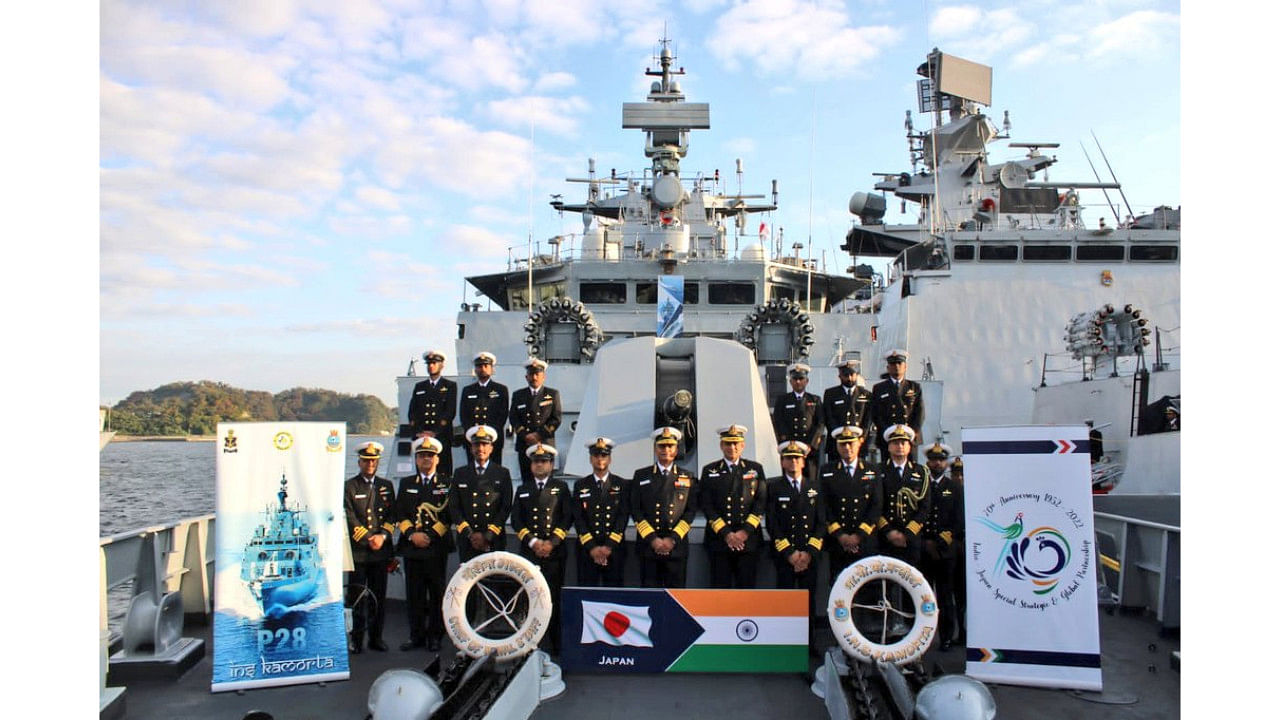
[(1136, 35), (740, 146), (790, 37), (477, 244), (955, 20), (555, 81), (555, 115), (376, 197)]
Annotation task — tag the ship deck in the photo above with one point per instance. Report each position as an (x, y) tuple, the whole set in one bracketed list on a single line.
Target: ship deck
[(1139, 682)]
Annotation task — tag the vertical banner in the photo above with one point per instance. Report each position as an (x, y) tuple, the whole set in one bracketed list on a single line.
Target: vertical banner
[(278, 615), (670, 305), (629, 630), (1031, 561)]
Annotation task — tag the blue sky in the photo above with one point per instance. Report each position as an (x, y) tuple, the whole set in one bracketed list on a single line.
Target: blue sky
[(291, 193)]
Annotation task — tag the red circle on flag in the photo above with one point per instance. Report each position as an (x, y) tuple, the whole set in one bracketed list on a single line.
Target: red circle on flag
[(616, 623)]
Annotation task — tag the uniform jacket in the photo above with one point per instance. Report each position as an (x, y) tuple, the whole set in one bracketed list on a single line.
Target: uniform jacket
[(543, 514), (530, 414), (424, 507), (370, 510), (601, 517), (840, 408), (796, 520), (664, 507), (484, 406), (946, 512), (480, 502), (892, 405), (732, 499), (433, 408), (801, 420), (854, 502), (906, 500)]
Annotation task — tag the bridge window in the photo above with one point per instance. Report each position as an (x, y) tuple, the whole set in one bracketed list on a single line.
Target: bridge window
[(647, 293), (731, 293), (998, 253), (1100, 252), (1153, 253), (603, 292), (1047, 253), (962, 252)]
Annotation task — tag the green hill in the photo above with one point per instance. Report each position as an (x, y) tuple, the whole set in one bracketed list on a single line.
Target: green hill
[(196, 408)]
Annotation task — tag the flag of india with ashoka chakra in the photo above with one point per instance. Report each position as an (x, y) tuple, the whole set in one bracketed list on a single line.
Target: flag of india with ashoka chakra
[(615, 624), (746, 631)]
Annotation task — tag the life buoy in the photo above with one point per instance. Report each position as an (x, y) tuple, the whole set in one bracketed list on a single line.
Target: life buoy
[(525, 632), (924, 616)]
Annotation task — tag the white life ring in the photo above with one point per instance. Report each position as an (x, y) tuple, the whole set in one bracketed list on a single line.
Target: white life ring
[(525, 634), (924, 625)]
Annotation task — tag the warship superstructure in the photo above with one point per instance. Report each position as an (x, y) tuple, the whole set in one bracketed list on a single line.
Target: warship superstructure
[(281, 562)]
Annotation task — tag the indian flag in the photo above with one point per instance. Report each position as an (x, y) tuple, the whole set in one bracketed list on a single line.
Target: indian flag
[(746, 631)]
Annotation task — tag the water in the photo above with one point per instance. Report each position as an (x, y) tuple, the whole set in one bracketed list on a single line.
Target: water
[(159, 482)]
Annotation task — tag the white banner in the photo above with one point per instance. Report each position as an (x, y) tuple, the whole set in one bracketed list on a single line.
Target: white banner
[(1030, 563), (278, 614)]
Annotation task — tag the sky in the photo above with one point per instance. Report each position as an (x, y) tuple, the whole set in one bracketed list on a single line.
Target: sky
[(291, 193)]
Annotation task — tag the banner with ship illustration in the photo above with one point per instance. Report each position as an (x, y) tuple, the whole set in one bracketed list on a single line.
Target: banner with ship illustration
[(1030, 562), (630, 630), (278, 612)]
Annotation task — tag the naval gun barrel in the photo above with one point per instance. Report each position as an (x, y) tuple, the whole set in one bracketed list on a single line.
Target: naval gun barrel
[(676, 408)]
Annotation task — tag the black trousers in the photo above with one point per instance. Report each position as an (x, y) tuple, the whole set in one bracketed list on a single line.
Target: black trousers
[(789, 579), (424, 583), (609, 575), (662, 572), (733, 569), (552, 569), (939, 571), (368, 610)]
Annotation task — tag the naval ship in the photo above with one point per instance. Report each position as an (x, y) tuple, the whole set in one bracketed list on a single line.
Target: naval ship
[(281, 562), (993, 290)]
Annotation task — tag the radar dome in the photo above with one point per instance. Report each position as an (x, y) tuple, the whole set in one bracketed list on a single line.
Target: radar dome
[(752, 253), (869, 208)]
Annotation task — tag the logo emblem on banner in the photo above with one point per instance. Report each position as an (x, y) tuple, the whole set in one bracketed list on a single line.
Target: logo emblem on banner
[(283, 440), (229, 442), (1033, 561)]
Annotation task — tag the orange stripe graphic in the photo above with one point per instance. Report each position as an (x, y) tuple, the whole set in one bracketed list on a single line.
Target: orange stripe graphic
[(743, 603)]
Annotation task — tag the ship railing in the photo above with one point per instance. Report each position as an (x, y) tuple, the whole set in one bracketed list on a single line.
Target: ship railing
[(564, 248), (1140, 563), (173, 558)]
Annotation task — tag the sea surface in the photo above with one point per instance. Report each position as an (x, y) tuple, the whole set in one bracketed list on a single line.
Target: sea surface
[(147, 483)]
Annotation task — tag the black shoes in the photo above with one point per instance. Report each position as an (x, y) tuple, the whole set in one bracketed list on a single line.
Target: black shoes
[(377, 644), (353, 646), (433, 644), (408, 645)]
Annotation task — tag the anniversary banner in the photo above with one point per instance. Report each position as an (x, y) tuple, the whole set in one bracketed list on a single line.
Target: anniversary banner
[(278, 615), (653, 631), (1031, 560)]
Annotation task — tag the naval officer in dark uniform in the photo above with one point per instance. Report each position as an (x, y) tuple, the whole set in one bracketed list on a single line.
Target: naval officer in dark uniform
[(848, 403), (433, 406), (601, 511), (663, 503), (854, 498), (541, 517), (425, 543), (480, 499), (941, 533), (484, 402), (535, 413), (732, 497), (369, 502), (797, 415), (958, 577), (896, 400), (796, 523), (906, 497)]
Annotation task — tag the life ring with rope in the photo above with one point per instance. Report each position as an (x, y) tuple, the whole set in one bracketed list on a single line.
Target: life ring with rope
[(865, 574), (515, 624)]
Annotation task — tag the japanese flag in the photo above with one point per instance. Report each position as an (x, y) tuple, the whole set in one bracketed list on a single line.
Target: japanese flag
[(615, 624)]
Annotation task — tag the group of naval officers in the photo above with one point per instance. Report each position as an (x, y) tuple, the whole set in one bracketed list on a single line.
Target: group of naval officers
[(844, 507)]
